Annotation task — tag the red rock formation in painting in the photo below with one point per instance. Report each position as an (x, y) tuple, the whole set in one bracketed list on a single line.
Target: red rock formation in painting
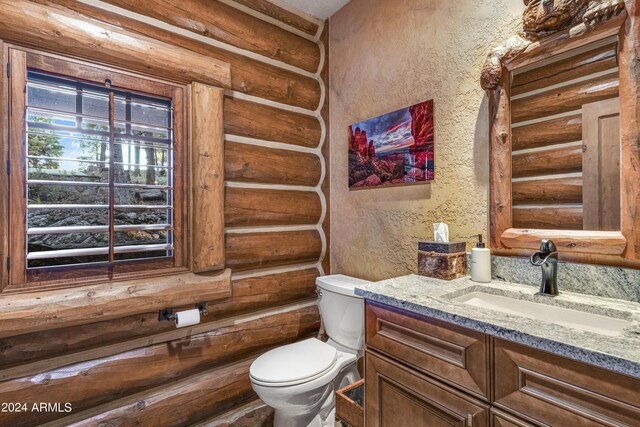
[(358, 143), (363, 146), (422, 132), (372, 151)]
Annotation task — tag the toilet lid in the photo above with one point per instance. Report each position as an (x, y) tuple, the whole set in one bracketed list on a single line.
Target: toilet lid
[(294, 362)]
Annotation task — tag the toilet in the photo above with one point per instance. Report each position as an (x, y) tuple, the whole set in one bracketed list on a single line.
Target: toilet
[(299, 380)]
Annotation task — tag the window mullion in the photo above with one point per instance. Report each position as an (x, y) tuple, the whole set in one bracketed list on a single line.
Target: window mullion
[(111, 174)]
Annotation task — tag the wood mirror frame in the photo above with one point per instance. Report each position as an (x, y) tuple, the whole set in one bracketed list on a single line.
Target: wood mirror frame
[(621, 248)]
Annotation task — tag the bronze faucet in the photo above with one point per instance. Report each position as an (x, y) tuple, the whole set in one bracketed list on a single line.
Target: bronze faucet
[(547, 258)]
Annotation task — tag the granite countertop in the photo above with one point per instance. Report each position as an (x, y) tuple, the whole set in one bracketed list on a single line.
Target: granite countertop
[(434, 298)]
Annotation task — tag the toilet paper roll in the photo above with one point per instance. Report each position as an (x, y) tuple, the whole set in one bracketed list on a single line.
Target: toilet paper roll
[(187, 318)]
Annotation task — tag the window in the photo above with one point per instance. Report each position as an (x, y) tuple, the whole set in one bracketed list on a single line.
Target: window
[(98, 156)]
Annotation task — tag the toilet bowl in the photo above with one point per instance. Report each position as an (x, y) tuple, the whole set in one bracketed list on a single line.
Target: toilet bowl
[(299, 380)]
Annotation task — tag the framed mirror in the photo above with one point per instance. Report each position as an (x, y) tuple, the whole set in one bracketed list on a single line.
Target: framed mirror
[(565, 139)]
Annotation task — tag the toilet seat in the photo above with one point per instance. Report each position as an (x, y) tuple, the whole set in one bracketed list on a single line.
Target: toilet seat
[(294, 364)]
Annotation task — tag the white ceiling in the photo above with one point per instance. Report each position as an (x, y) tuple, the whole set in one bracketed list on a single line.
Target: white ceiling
[(321, 9)]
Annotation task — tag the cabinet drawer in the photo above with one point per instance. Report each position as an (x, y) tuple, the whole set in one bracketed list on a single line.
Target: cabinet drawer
[(561, 392), (397, 396), (502, 419), (453, 354)]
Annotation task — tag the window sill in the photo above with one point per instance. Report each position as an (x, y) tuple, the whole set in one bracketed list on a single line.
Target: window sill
[(36, 311)]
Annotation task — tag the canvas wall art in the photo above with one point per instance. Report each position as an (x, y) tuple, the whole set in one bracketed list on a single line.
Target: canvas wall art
[(393, 149)]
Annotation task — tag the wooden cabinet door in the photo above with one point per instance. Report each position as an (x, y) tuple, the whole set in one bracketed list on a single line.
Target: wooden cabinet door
[(397, 396), (448, 352), (502, 419), (556, 391)]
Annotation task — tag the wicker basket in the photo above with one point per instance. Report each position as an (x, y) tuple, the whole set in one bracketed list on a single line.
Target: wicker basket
[(350, 404)]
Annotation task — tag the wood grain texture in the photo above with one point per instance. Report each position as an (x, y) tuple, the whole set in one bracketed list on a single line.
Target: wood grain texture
[(38, 311), (260, 250), (504, 419), (347, 410), (180, 403), (548, 162), (172, 334), (326, 153), (571, 241), (548, 218), (268, 291), (252, 414), (103, 341), (500, 160), (593, 61), (577, 246), (601, 165), (227, 24), (46, 278), (556, 391), (17, 157), (264, 165), (547, 191), (630, 129), (557, 131), (567, 40), (4, 183), (449, 353), (564, 99), (207, 178), (249, 76), (269, 9), (398, 396), (253, 120), (246, 207), (249, 295), (67, 32), (101, 380)]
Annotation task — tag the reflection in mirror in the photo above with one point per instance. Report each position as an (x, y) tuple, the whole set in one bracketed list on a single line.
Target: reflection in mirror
[(566, 141)]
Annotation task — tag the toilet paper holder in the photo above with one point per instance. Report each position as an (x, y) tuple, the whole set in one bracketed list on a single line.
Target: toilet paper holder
[(167, 313)]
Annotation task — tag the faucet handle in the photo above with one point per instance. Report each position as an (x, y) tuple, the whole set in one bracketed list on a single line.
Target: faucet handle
[(547, 247)]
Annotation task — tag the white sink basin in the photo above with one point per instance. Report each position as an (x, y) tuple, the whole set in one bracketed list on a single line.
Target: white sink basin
[(547, 313)]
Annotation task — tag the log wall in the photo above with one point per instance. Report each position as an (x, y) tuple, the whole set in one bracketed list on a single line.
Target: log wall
[(138, 370), (547, 102)]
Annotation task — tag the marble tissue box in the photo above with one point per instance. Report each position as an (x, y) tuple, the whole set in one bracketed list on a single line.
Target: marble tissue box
[(445, 261)]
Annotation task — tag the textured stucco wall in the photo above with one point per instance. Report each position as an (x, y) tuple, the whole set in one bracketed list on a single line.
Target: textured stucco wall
[(388, 54)]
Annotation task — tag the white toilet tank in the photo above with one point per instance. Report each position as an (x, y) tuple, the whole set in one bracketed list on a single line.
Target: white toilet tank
[(342, 311)]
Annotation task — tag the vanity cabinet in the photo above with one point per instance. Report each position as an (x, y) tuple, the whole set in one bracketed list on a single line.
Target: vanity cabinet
[(396, 395), (447, 352), (424, 372), (561, 392)]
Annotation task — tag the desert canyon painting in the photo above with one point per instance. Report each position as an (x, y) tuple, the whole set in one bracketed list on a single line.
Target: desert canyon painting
[(392, 149)]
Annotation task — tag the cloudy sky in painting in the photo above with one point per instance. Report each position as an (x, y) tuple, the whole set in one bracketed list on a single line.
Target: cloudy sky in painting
[(390, 132)]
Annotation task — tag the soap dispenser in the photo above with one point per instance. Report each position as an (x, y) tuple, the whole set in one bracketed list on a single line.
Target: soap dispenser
[(481, 262)]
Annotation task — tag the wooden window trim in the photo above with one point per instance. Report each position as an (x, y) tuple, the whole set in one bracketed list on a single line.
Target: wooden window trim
[(599, 247), (19, 278), (112, 48), (202, 126)]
